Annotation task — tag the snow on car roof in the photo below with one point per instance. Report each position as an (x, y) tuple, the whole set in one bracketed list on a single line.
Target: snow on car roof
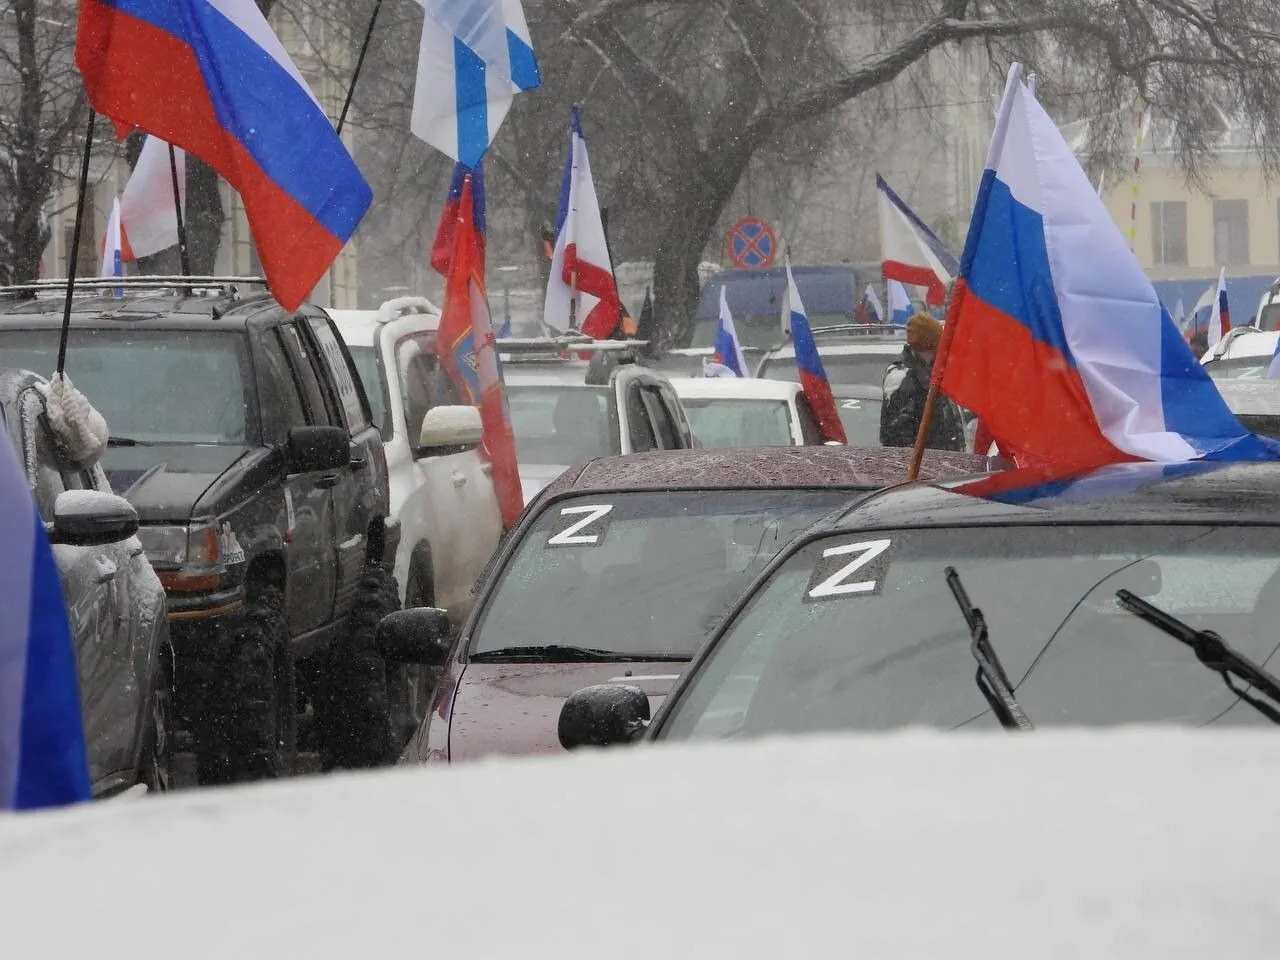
[(359, 328), (1252, 343), (1071, 843), (734, 388), (844, 348)]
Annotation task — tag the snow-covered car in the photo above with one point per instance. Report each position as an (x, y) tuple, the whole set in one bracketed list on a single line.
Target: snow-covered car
[(115, 603), (849, 354), (747, 412), (1141, 845), (563, 416), (1244, 352)]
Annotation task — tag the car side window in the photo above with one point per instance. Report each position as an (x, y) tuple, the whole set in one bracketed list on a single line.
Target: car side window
[(355, 408), (663, 425), (282, 405), (302, 359), (639, 426)]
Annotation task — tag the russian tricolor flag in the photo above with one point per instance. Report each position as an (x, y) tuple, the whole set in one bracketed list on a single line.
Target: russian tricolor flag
[(1055, 336), (911, 252), (813, 376), (42, 752), (210, 77), (1220, 315), (728, 351), (442, 246), (899, 304)]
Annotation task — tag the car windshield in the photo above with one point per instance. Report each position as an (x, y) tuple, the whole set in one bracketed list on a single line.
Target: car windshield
[(861, 420), (152, 386), (641, 572), (724, 422), (1269, 317), (860, 631), (840, 367), (375, 386), (561, 423), (1242, 368)]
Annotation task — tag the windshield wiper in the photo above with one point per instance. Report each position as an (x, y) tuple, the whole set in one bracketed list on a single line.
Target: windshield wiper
[(991, 678), (127, 442), (555, 653), (1214, 652)]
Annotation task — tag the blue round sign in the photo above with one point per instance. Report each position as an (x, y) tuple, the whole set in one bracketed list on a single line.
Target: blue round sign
[(751, 244)]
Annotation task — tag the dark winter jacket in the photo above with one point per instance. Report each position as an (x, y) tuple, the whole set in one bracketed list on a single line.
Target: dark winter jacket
[(906, 385)]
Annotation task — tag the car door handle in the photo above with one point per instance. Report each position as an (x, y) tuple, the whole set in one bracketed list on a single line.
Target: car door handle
[(106, 571), (328, 481), (358, 458), (459, 479)]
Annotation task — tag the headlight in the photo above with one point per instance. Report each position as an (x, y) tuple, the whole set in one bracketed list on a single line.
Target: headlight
[(187, 559), (170, 548)]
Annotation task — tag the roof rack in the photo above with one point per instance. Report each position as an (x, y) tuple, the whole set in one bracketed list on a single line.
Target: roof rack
[(838, 328), (525, 347), (98, 284)]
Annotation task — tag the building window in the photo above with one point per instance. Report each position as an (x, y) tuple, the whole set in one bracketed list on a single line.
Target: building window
[(1230, 232), (1169, 233)]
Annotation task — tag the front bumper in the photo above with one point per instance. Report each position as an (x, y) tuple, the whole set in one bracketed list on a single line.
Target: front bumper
[(204, 606)]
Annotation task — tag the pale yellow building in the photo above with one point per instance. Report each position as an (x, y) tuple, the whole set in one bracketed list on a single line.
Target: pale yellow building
[(1181, 232)]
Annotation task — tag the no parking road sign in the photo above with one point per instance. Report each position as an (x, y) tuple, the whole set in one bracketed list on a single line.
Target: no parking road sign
[(751, 244)]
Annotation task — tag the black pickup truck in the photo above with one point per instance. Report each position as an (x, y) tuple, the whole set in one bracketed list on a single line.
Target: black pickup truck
[(243, 438)]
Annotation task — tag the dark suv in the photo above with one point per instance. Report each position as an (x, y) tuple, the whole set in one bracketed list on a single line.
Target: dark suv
[(242, 436)]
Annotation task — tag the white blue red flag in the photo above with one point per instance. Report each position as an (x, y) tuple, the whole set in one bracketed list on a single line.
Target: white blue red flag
[(148, 215), (1055, 336), (442, 246), (899, 304), (1219, 316), (581, 290), (210, 77), (870, 309), (813, 376), (911, 252), (467, 348), (728, 350), (43, 762), (112, 249), (474, 56)]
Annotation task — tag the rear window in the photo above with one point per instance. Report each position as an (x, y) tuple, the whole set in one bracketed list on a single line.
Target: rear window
[(739, 423), (840, 368)]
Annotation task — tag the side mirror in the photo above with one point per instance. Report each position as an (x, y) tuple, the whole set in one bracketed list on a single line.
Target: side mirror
[(313, 449), (449, 429), (420, 635), (603, 715), (92, 518)]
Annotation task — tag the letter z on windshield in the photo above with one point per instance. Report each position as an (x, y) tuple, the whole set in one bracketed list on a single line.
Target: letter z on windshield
[(842, 571), (581, 526)]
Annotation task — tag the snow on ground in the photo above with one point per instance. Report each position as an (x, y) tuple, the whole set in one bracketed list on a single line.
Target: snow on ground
[(1135, 845)]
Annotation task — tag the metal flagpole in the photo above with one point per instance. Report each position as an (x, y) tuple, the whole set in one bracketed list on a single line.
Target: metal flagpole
[(73, 255), (184, 257), (364, 49)]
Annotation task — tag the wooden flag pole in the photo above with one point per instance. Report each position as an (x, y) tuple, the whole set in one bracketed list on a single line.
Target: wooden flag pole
[(931, 399), (73, 256), (355, 75)]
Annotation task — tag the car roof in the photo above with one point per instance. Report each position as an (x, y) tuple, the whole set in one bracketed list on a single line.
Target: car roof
[(857, 391), (359, 328), (1200, 492), (734, 388), (1252, 342), (738, 468), (1251, 396), (548, 378), (160, 310)]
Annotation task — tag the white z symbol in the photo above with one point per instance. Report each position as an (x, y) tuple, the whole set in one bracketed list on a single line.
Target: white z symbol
[(569, 536), (834, 585)]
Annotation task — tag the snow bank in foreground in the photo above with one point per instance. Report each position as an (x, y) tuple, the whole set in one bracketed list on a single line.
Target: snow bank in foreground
[(1136, 845)]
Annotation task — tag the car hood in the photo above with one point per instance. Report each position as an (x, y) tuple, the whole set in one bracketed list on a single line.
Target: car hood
[(533, 477), (514, 708), (165, 482)]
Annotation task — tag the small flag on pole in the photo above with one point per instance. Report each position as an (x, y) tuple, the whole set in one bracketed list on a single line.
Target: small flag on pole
[(148, 220), (581, 287), (442, 246), (1219, 316), (728, 351), (870, 310), (899, 304), (112, 252), (813, 376), (910, 251)]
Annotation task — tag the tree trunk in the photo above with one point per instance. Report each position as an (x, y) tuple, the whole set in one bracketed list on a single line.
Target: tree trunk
[(692, 217), (205, 217)]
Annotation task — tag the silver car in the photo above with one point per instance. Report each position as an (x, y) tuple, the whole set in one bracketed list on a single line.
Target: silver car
[(115, 603)]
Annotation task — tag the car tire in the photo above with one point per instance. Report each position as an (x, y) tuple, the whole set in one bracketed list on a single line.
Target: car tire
[(408, 684), (154, 767), (353, 714), (260, 705)]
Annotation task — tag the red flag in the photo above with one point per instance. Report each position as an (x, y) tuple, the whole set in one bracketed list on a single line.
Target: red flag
[(466, 347)]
